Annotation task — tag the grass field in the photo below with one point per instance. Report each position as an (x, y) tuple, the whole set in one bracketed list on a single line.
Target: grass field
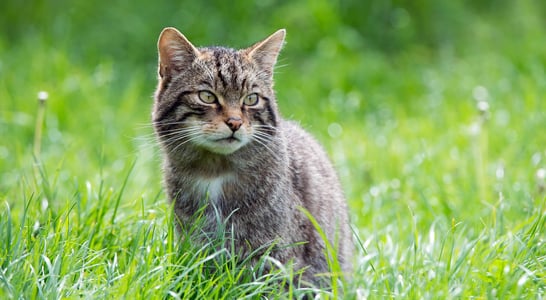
[(441, 150)]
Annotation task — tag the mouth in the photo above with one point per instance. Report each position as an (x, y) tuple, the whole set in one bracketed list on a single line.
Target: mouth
[(225, 145), (228, 140)]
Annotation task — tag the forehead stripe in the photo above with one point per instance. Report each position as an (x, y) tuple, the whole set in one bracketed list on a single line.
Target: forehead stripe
[(219, 72)]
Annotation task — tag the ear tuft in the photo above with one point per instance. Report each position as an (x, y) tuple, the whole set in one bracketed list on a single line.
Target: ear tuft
[(265, 52), (175, 51)]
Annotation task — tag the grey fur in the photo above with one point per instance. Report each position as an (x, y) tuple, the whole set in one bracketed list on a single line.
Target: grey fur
[(257, 180)]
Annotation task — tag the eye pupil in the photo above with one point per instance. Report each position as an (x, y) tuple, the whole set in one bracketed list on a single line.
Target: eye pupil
[(207, 97), (251, 99)]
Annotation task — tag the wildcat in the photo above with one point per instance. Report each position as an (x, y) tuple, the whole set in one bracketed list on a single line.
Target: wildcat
[(227, 148)]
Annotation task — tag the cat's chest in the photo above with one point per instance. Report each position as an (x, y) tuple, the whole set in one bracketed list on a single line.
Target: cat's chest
[(212, 189)]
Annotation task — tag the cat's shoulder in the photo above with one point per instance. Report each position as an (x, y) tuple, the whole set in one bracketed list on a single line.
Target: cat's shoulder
[(293, 129), (296, 135)]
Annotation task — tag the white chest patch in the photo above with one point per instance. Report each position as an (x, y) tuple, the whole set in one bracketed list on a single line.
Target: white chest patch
[(212, 188)]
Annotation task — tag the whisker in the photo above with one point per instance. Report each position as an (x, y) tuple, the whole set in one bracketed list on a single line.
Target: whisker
[(177, 137), (168, 133), (171, 137), (192, 138), (263, 140), (154, 123), (177, 122), (264, 126)]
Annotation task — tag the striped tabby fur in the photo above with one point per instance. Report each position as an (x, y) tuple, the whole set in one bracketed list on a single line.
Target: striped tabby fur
[(226, 145)]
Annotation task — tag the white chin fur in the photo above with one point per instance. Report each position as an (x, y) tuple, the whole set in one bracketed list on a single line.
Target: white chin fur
[(223, 146)]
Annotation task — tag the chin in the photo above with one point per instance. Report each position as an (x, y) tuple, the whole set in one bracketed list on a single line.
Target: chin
[(224, 147)]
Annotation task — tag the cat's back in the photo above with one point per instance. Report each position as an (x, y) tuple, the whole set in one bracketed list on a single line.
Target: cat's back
[(307, 155), (316, 184), (313, 174)]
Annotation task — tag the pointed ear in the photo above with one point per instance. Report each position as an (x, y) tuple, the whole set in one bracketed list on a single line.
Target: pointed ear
[(265, 53), (175, 51)]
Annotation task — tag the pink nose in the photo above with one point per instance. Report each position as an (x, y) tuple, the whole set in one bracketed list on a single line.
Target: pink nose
[(234, 123)]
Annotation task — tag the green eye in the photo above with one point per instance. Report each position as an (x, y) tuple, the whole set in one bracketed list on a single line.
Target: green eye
[(251, 99), (207, 97)]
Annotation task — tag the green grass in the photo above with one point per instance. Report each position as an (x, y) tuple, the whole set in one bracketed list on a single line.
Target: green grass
[(447, 200)]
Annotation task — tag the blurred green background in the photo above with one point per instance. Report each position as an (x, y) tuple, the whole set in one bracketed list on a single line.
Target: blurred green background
[(390, 88), (432, 111)]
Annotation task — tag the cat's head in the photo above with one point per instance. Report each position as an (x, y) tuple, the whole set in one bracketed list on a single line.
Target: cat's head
[(215, 98)]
